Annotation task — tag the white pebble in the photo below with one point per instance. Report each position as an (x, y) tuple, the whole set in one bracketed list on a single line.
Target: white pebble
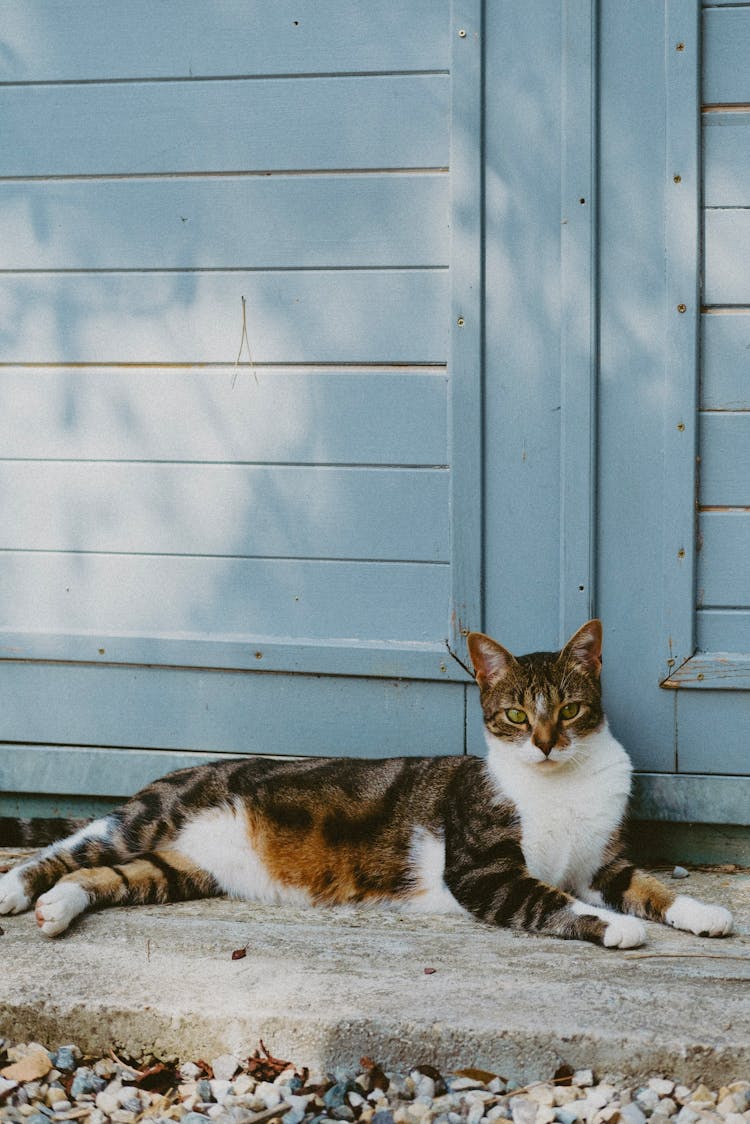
[(243, 1084), (661, 1086), (523, 1110), (632, 1114), (667, 1107), (214, 1111), (225, 1067), (583, 1078), (106, 1102), (647, 1099), (686, 1115), (680, 872), (188, 1071)]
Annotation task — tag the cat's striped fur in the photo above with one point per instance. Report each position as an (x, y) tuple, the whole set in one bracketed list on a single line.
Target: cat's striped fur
[(528, 838)]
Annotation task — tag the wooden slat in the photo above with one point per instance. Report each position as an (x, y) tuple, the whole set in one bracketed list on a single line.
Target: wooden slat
[(723, 571), (158, 708), (225, 510), (73, 40), (726, 159), (222, 599), (238, 126), (724, 630), (263, 415), (256, 222), (725, 460), (726, 257), (292, 317), (726, 48), (725, 381)]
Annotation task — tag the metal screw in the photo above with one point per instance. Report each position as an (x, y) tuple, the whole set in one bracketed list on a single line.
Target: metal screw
[(462, 33), (670, 663), (460, 321), (681, 553), (677, 179), (680, 47), (682, 308), (700, 675), (681, 427), (259, 655), (442, 667)]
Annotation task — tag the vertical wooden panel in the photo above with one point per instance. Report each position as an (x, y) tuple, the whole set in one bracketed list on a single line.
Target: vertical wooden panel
[(579, 312), (682, 316), (466, 319)]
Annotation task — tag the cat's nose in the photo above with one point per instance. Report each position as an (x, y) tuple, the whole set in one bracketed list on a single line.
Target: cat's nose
[(544, 740)]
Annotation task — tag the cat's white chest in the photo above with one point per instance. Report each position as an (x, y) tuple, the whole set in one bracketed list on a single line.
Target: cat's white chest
[(568, 814)]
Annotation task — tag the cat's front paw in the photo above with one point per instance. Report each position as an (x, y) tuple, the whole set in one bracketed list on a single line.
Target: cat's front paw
[(13, 897), (624, 932), (56, 909), (698, 917)]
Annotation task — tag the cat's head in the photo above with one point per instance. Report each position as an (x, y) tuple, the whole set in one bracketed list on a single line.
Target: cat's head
[(543, 705)]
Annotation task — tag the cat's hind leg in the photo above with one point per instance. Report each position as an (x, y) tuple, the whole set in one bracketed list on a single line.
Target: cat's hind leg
[(21, 885), (624, 887), (155, 877)]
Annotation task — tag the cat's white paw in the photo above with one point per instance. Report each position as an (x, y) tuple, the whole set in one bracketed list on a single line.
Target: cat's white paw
[(698, 917), (56, 909), (13, 897), (624, 932)]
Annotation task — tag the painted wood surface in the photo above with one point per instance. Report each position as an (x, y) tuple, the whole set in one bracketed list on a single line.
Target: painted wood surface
[(224, 712), (725, 459), (153, 128), (723, 575), (308, 316), (724, 630), (726, 256), (81, 40), (248, 222), (726, 156), (725, 381), (229, 598), (726, 43), (281, 415)]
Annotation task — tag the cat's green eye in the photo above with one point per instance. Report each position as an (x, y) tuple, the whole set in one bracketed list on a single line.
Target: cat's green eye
[(570, 710), (516, 716)]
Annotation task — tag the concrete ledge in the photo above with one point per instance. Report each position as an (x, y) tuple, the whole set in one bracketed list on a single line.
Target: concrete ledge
[(325, 987)]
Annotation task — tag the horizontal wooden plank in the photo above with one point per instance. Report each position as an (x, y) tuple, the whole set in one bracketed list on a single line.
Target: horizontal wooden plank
[(161, 708), (264, 415), (247, 222), (401, 659), (726, 159), (74, 40), (225, 510), (725, 630), (725, 459), (218, 599), (723, 572), (726, 45), (725, 375), (368, 316), (238, 126), (726, 257)]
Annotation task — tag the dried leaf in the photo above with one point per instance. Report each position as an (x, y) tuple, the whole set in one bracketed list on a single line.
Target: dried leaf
[(239, 954), (430, 971), (482, 1075), (29, 1068), (159, 1078)]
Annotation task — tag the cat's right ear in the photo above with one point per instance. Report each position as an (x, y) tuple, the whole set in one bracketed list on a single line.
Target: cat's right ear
[(491, 661)]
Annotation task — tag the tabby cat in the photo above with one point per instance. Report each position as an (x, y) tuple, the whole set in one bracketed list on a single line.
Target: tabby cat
[(529, 837)]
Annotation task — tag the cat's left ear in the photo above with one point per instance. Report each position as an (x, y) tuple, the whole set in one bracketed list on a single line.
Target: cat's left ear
[(491, 661), (585, 648)]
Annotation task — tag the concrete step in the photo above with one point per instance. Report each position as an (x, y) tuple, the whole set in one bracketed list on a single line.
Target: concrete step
[(324, 987)]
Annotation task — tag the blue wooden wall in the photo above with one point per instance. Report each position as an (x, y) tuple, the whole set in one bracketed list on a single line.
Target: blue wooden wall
[(328, 334)]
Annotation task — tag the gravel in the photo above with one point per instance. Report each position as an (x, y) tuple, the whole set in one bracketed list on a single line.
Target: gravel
[(38, 1086)]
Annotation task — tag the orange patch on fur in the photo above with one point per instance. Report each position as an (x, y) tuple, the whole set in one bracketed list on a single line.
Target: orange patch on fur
[(647, 896)]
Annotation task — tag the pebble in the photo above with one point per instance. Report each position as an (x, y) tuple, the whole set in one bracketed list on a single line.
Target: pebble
[(680, 872), (105, 1091)]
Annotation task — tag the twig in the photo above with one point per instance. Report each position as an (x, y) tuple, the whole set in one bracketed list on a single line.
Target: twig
[(458, 660), (244, 342)]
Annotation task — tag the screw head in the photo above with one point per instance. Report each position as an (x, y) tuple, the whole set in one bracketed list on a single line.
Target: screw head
[(462, 33), (460, 321), (682, 308)]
